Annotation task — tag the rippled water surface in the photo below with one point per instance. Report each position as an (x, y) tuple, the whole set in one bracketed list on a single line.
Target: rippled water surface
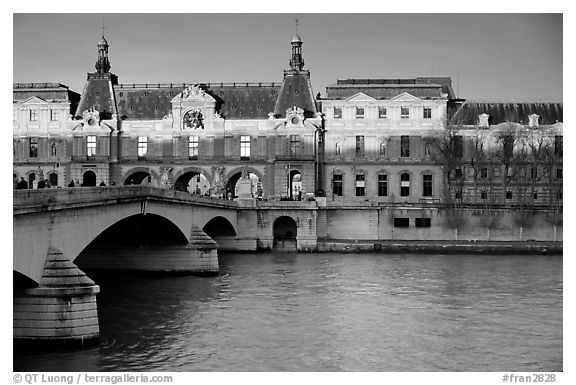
[(329, 312)]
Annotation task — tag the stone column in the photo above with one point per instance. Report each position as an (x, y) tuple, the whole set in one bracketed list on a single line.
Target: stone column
[(62, 310)]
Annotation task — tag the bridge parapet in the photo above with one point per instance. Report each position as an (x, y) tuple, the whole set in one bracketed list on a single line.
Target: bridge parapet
[(45, 199), (294, 205)]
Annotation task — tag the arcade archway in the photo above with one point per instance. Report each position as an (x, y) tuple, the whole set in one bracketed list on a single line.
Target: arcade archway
[(193, 182), (232, 185), (139, 177), (295, 185)]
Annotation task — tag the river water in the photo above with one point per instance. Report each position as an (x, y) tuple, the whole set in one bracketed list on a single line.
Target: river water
[(329, 312)]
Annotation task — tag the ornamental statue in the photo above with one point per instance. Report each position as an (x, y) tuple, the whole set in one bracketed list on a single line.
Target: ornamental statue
[(166, 178)]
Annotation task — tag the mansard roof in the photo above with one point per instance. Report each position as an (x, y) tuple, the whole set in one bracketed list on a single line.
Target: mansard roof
[(421, 87), (98, 95), (233, 100), (296, 91), (244, 100), (145, 101), (50, 92), (467, 112)]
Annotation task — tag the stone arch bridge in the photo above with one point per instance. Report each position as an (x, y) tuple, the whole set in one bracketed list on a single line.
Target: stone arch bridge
[(57, 229)]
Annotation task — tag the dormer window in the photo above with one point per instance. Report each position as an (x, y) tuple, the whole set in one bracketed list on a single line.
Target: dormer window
[(381, 112), (404, 113), (483, 120), (533, 120), (427, 113), (337, 113), (359, 113)]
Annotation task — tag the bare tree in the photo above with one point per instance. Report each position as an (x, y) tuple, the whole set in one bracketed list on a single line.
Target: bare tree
[(447, 150), (490, 215), (552, 161)]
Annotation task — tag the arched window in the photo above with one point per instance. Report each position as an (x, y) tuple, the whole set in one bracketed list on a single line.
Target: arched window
[(382, 149), (404, 184)]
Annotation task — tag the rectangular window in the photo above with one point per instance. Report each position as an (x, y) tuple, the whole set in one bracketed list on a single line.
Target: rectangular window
[(382, 185), (458, 173), (533, 173), (423, 222), (294, 144), (245, 147), (33, 115), (427, 113), (33, 147), (458, 194), (359, 113), (508, 194), (360, 185), (559, 194), (381, 112), (458, 146), (427, 185), (405, 146), (359, 145), (558, 173), (404, 184), (53, 115), (337, 185), (558, 144), (142, 146), (404, 113), (337, 113), (401, 222), (535, 194), (91, 145), (484, 194), (193, 147), (484, 172)]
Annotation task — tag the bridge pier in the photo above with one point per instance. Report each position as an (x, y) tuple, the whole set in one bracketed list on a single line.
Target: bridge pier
[(62, 310)]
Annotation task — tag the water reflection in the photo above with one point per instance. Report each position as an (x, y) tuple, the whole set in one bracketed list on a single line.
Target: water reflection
[(330, 312)]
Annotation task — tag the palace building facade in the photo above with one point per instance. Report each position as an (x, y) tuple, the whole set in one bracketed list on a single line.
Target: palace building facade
[(385, 141)]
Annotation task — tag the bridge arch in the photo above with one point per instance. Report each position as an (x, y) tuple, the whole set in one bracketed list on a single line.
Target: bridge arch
[(219, 226), (137, 175), (285, 228)]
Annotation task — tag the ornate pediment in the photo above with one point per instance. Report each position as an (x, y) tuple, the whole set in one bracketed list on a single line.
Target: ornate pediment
[(405, 97), (34, 100), (295, 117), (193, 93), (91, 117), (91, 121), (360, 97)]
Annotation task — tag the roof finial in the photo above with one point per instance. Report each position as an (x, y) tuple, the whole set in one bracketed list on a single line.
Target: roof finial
[(296, 24), (103, 26)]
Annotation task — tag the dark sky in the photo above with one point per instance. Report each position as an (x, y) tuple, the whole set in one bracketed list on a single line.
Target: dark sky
[(488, 56)]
